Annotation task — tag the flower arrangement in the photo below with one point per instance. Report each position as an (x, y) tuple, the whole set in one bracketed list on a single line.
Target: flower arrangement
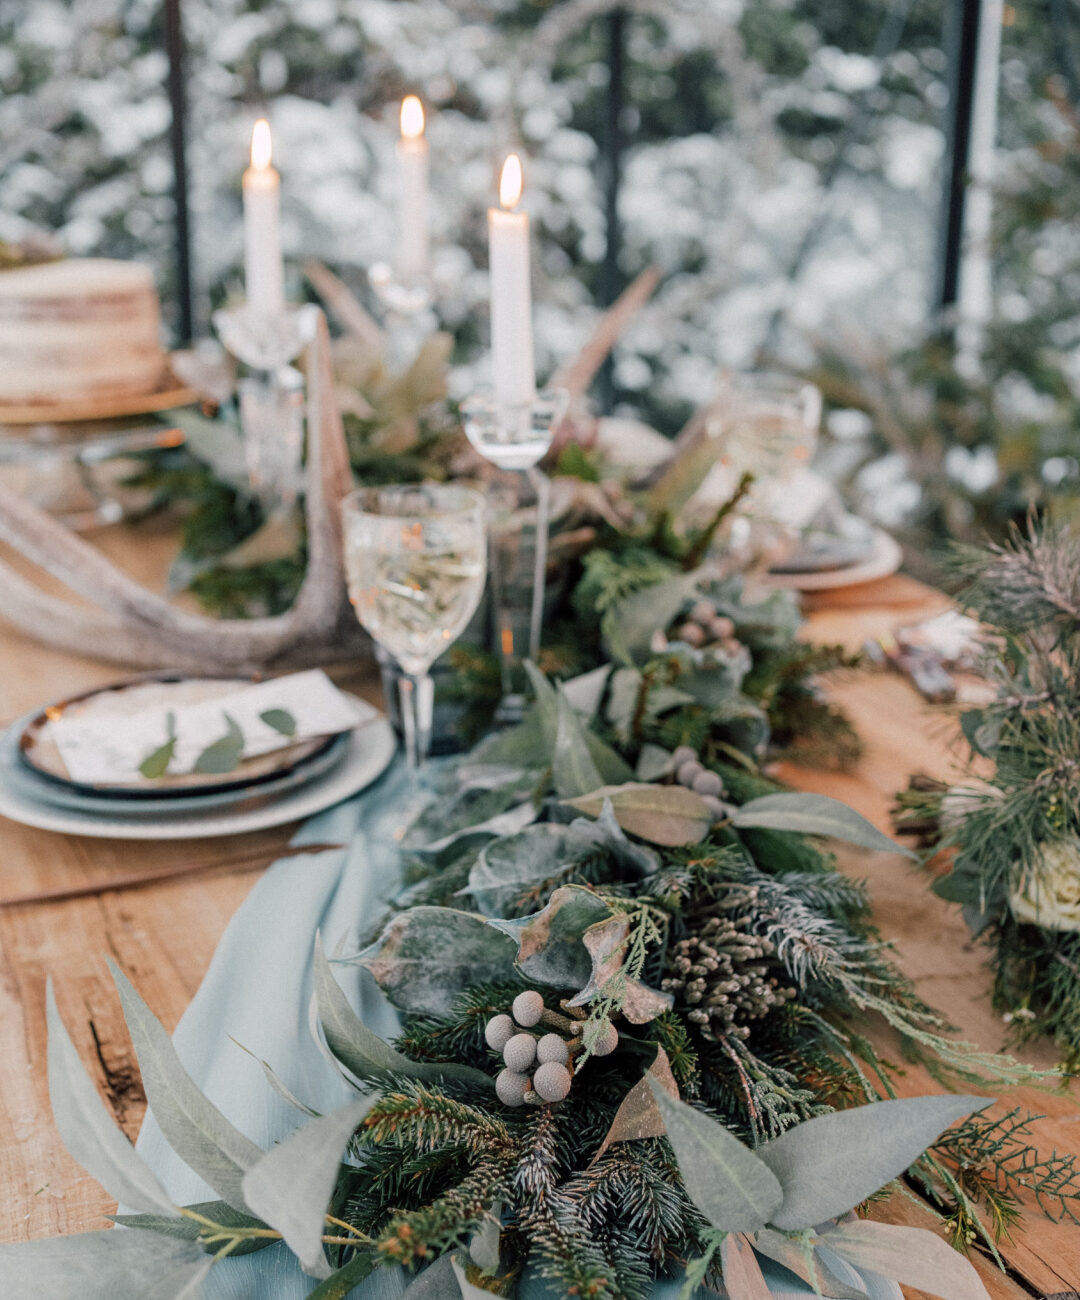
[(1010, 832)]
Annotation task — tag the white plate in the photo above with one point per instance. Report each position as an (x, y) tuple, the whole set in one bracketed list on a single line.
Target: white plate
[(371, 747), (885, 559)]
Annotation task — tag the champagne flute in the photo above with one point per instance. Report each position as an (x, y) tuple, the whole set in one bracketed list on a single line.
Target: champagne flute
[(415, 562)]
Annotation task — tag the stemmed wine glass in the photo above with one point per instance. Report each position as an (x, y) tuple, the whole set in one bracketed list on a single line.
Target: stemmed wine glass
[(415, 558)]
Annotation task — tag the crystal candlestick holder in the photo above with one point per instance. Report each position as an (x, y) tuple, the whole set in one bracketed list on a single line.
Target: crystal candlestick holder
[(515, 438), (271, 396), (408, 305)]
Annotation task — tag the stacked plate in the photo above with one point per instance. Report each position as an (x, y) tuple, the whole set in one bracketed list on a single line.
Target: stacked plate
[(268, 789)]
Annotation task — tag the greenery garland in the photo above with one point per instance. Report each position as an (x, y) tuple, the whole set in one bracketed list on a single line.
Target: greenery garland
[(635, 1049)]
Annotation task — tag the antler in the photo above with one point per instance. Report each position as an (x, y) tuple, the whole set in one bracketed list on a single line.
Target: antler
[(131, 625), (135, 626)]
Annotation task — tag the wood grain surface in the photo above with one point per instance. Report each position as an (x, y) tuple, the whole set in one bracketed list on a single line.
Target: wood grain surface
[(164, 933)]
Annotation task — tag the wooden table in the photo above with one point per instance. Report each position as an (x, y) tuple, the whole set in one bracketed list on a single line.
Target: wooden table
[(164, 933)]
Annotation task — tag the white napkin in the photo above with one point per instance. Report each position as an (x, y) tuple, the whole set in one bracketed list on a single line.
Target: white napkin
[(108, 747)]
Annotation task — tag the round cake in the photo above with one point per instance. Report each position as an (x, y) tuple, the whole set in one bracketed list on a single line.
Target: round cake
[(80, 329)]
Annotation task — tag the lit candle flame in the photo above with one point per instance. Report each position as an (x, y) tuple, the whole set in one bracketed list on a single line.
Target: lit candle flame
[(260, 145), (510, 182), (412, 118)]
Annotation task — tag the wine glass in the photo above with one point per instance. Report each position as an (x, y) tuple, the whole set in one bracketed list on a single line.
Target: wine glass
[(415, 562)]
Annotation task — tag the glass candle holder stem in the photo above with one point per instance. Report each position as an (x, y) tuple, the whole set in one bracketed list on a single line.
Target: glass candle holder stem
[(271, 396), (516, 438), (542, 487)]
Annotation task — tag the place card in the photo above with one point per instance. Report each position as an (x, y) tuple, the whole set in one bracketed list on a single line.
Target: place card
[(108, 745)]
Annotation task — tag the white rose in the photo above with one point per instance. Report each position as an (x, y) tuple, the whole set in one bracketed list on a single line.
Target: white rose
[(1050, 893)]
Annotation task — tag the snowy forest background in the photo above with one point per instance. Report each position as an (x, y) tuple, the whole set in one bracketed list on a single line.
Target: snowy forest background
[(783, 169)]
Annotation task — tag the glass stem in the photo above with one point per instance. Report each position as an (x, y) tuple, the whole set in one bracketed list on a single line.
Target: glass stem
[(417, 694), (542, 486)]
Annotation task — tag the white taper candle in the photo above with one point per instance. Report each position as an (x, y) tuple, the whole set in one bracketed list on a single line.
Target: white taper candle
[(412, 166), (513, 372), (264, 273)]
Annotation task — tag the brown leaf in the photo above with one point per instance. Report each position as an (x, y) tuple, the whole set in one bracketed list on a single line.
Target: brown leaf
[(663, 814), (638, 1116), (743, 1278)]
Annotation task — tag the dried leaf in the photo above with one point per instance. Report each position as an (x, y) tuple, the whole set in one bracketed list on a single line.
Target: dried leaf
[(550, 942), (638, 1115), (740, 1269), (669, 815)]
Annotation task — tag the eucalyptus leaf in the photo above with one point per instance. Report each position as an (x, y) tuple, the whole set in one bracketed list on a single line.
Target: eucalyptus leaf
[(341, 1283), (88, 1130), (789, 1253), (291, 1186), (285, 1093), (629, 625), (184, 1282), (584, 835), (156, 763), (587, 690), (911, 1256), (475, 811), (437, 1282), (467, 1290), (613, 769), (193, 1126), (815, 814), (510, 866), (669, 815), (519, 746), (683, 475), (189, 1229), (573, 770), (653, 762), (222, 755), (102, 1265), (550, 942), (427, 957), (832, 1163), (622, 700), (281, 720), (484, 1246), (547, 707), (364, 1052), (727, 1182)]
